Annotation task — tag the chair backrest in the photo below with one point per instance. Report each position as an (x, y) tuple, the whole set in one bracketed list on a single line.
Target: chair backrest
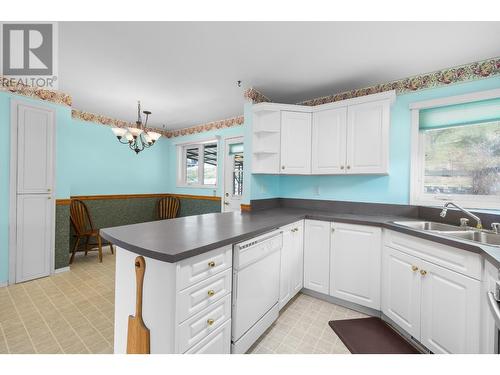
[(80, 217), (168, 207)]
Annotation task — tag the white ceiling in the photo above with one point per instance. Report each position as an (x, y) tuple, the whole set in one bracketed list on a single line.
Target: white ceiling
[(186, 72)]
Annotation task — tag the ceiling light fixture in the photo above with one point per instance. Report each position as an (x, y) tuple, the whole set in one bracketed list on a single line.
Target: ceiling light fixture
[(137, 138)]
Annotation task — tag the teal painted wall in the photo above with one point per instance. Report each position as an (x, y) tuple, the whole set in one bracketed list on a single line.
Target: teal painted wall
[(98, 164), (394, 188)]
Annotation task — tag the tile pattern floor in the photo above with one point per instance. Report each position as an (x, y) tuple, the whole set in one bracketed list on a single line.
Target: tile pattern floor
[(73, 312), (70, 312), (302, 328)]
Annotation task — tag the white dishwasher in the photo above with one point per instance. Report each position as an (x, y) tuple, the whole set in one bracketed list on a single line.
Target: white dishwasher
[(256, 279)]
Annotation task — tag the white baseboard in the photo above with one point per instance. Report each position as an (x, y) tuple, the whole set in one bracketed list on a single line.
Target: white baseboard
[(60, 270)]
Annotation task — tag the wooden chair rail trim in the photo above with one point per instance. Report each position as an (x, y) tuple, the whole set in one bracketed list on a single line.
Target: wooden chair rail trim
[(63, 202), (131, 196), (245, 207)]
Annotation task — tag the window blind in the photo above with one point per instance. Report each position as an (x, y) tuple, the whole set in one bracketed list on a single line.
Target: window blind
[(460, 114)]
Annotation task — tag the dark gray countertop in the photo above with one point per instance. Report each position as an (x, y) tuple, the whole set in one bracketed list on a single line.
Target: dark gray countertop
[(176, 239)]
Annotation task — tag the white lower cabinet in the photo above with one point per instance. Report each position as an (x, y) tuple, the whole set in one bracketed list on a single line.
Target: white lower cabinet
[(437, 306), (218, 342), (401, 290), (355, 264), (317, 255), (292, 262), (450, 311)]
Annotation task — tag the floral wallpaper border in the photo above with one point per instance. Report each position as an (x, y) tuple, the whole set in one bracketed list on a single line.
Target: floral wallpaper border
[(108, 121), (16, 87), (221, 124), (477, 70), (255, 96)]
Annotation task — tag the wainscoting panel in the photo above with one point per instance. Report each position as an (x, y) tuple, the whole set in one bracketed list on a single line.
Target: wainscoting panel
[(114, 210)]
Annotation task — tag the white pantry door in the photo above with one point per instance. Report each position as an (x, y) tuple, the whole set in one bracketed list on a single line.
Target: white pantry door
[(32, 186), (233, 174)]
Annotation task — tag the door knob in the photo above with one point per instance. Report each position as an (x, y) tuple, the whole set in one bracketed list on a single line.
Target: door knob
[(210, 322), (423, 272), (414, 268), (348, 167), (211, 264), (341, 167), (282, 167), (211, 293)]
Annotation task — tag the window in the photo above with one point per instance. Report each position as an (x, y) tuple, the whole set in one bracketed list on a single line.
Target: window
[(197, 164), (458, 155), (463, 160)]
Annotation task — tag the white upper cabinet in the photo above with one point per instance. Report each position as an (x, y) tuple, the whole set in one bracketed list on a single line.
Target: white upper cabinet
[(295, 143), (329, 130), (345, 137), (368, 138), (355, 257)]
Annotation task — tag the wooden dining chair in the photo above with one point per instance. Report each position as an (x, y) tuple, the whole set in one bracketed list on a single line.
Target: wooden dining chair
[(84, 229), (168, 208)]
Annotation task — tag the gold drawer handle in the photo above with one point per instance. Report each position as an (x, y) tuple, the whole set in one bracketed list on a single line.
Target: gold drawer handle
[(423, 272), (210, 322), (211, 264), (211, 293), (414, 268)]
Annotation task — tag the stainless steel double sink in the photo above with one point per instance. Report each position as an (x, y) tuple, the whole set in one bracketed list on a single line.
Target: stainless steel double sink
[(465, 233)]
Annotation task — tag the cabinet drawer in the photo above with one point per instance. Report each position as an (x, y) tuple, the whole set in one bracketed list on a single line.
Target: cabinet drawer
[(218, 342), (198, 268), (196, 328), (458, 260), (199, 296)]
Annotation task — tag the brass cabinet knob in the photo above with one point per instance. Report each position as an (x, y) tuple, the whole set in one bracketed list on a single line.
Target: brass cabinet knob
[(48, 189), (348, 167), (211, 293), (414, 268), (423, 272), (210, 322), (341, 167), (282, 167), (211, 264)]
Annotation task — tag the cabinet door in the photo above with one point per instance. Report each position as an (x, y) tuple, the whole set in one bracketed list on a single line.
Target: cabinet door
[(35, 150), (368, 137), (356, 264), (317, 256), (218, 342), (401, 290), (488, 328), (34, 236), (285, 268), (297, 268), (450, 312), (329, 141), (295, 143)]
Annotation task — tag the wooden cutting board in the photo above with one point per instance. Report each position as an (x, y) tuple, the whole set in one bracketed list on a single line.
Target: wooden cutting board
[(138, 333)]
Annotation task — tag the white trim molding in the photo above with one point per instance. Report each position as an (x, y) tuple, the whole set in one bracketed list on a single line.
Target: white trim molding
[(417, 196), (61, 270)]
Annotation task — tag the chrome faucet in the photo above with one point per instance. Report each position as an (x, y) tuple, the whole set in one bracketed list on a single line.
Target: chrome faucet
[(468, 213)]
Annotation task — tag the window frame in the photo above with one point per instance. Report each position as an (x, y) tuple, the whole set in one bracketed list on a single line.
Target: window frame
[(417, 195), (182, 159)]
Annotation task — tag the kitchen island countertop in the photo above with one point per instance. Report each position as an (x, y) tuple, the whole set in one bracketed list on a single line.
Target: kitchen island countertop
[(176, 239)]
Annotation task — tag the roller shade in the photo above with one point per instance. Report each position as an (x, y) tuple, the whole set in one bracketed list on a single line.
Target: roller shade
[(460, 114), (235, 148)]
